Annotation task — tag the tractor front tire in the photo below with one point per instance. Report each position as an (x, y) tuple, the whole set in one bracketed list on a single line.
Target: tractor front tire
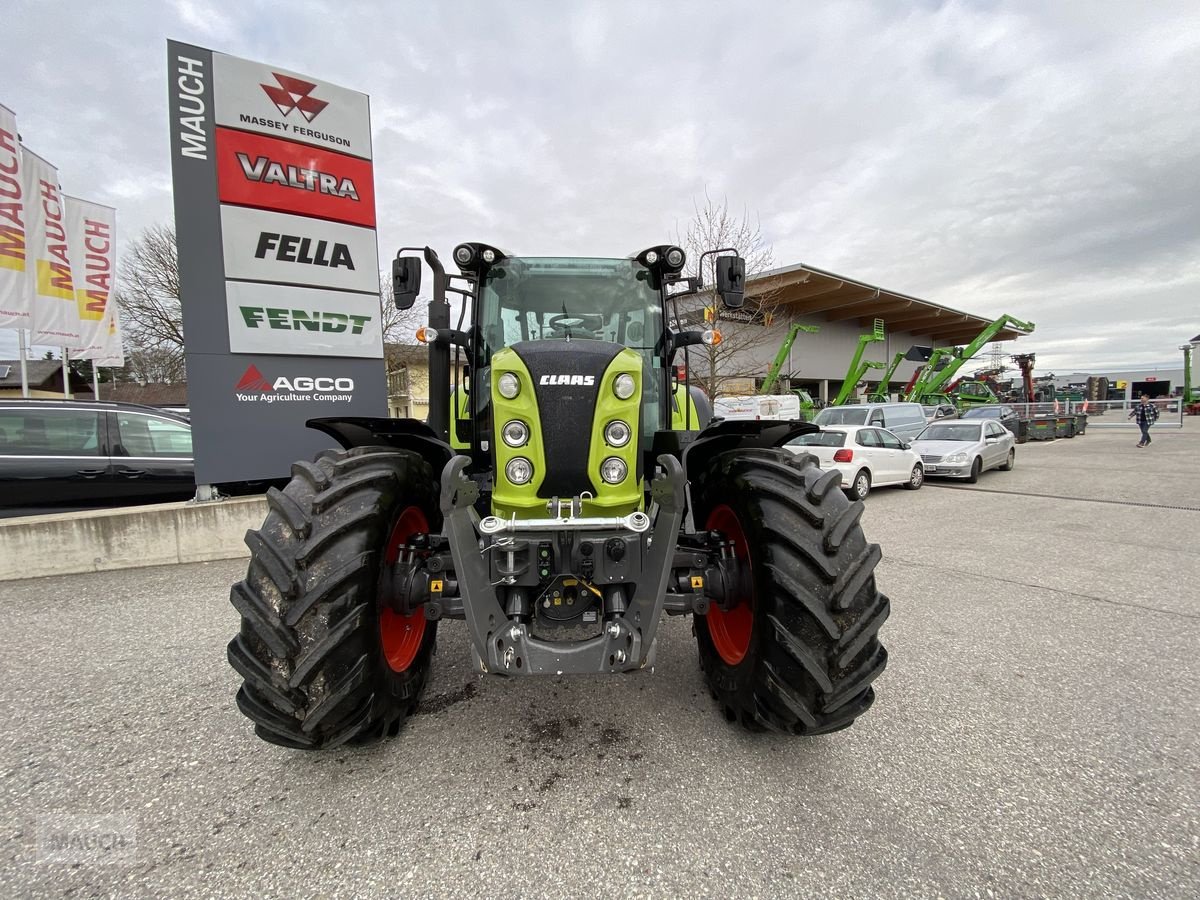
[(799, 651), (323, 661)]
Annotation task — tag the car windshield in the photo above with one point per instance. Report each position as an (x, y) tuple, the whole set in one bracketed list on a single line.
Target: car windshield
[(950, 431), (575, 298), (840, 415), (820, 439)]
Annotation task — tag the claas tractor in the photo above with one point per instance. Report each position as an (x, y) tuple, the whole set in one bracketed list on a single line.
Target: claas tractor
[(561, 499)]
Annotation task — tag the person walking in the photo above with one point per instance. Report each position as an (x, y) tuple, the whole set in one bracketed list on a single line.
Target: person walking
[(1146, 414)]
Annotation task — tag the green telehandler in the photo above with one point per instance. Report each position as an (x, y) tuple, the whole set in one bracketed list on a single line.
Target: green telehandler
[(859, 366)]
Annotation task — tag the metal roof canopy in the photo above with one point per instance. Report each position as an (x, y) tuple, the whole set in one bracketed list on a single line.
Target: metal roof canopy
[(806, 290)]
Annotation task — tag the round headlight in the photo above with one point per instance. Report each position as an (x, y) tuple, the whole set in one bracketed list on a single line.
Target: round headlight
[(624, 386), (613, 470), (519, 470), (515, 433), (651, 258), (509, 385), (675, 258), (463, 254), (617, 433), (489, 256)]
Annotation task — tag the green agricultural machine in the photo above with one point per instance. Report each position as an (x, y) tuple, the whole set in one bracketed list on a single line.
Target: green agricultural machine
[(578, 508), (859, 366), (808, 406), (945, 363)]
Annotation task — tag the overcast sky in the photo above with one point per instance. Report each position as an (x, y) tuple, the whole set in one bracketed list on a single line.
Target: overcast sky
[(1039, 159)]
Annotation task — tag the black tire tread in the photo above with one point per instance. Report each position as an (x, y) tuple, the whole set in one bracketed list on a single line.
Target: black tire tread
[(815, 649), (308, 650)]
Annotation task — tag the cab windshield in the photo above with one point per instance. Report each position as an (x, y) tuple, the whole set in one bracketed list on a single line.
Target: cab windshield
[(571, 299)]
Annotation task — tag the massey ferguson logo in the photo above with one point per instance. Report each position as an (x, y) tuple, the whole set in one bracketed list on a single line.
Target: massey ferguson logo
[(268, 171), (254, 387), (585, 380), (292, 93)]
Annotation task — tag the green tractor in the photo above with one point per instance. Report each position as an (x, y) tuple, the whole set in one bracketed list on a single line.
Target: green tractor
[(580, 504)]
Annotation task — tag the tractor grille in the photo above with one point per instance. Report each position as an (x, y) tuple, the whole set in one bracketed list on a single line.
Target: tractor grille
[(930, 459), (566, 410)]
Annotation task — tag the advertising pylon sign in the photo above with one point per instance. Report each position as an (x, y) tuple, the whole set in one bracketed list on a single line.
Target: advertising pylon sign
[(278, 261)]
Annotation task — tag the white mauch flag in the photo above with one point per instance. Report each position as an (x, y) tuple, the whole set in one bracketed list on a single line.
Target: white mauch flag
[(111, 352), (92, 248), (55, 314), (15, 295)]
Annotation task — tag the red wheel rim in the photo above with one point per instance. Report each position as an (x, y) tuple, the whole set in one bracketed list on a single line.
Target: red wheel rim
[(730, 630), (399, 635)]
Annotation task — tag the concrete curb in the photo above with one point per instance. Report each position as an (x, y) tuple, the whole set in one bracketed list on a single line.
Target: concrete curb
[(99, 540)]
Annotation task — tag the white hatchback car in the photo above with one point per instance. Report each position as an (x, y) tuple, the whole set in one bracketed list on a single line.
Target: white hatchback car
[(867, 457)]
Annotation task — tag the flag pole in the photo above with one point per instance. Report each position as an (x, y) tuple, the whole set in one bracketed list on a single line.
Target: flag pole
[(24, 364), (66, 376)]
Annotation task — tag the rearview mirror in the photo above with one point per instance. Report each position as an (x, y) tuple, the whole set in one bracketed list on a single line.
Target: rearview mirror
[(406, 280), (731, 281)]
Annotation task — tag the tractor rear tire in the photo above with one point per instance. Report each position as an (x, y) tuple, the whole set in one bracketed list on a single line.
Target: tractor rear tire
[(799, 654), (323, 661)]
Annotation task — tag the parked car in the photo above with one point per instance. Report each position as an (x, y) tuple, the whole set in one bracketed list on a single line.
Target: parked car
[(84, 453), (867, 457), (937, 411), (965, 448), (905, 420), (1005, 415)]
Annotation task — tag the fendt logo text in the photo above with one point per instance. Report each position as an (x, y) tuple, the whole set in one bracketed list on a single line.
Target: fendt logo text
[(254, 387), (292, 93)]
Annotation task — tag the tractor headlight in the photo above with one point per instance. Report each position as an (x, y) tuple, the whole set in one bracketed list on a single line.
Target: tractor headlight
[(613, 470), (675, 258), (519, 470), (509, 386), (617, 433), (515, 433), (624, 386)]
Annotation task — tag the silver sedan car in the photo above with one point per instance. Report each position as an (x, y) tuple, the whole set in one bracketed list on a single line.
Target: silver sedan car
[(965, 448)]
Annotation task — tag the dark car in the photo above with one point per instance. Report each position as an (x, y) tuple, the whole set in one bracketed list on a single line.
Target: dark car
[(81, 453), (1005, 415)]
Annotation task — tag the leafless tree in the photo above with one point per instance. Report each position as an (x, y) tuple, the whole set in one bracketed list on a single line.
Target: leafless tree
[(714, 227), (399, 325), (154, 365), (148, 295)]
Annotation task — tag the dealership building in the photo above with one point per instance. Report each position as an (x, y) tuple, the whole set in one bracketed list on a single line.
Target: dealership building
[(843, 308)]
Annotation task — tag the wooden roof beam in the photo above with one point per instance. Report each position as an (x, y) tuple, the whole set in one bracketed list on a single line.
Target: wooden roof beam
[(838, 300), (876, 310)]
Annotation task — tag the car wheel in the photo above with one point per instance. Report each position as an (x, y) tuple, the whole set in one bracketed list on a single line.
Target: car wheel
[(976, 468), (1010, 462), (861, 486), (916, 478)]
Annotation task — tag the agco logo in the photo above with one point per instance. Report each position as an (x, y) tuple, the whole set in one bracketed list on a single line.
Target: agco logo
[(254, 387), (292, 93), (586, 380)]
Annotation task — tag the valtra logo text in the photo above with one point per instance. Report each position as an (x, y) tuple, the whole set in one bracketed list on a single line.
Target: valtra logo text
[(292, 93), (254, 387)]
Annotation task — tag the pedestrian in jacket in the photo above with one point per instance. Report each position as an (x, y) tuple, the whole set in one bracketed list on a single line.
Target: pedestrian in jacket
[(1146, 414)]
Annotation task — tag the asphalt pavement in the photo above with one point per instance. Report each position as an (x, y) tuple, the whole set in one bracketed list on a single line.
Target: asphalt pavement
[(1035, 733)]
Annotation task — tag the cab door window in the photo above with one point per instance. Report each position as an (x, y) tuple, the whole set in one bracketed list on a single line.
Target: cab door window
[(889, 440), (149, 437), (49, 432)]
